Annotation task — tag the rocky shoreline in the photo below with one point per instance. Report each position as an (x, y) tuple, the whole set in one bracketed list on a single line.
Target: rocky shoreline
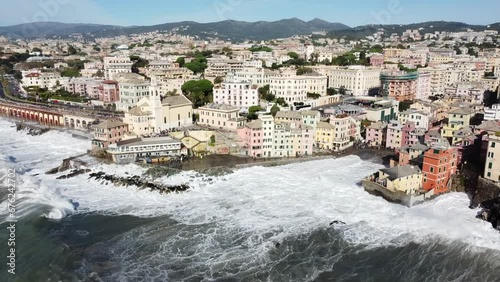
[(136, 180)]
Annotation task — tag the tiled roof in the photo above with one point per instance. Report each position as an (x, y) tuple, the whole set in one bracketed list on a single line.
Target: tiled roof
[(401, 171), (176, 100)]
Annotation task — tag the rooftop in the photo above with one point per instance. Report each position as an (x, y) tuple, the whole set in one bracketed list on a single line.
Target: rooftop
[(176, 100), (220, 107), (111, 123), (401, 171), (147, 141)]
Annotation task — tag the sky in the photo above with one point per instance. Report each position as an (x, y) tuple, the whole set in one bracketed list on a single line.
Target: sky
[(150, 12)]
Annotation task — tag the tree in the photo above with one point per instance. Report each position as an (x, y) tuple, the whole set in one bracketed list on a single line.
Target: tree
[(293, 55), (199, 92), (252, 112), (138, 63), (331, 91), (304, 70), (99, 73), (181, 61), (269, 97), (263, 91), (342, 90), (72, 50), (38, 50), (281, 101), (275, 109), (313, 95), (218, 80), (70, 72), (404, 105)]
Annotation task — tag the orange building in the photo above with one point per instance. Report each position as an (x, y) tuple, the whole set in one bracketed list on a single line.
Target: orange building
[(440, 163)]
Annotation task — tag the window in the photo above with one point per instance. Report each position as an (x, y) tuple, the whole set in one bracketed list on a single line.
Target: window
[(492, 144), (490, 165), (432, 169)]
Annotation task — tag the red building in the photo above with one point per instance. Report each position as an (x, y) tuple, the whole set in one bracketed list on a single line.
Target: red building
[(109, 92), (440, 163)]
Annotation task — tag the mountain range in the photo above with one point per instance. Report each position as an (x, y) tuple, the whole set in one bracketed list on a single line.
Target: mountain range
[(228, 30)]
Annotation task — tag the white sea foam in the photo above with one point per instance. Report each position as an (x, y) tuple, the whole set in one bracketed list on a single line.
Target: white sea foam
[(282, 201)]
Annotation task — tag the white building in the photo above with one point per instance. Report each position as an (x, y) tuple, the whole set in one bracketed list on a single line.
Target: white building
[(132, 89), (114, 65), (357, 80), (131, 150), (294, 88), (37, 78), (492, 113), (220, 116), (239, 94), (423, 85)]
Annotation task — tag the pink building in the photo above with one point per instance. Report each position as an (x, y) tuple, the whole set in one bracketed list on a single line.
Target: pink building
[(108, 132), (377, 60), (109, 91), (394, 135), (376, 134), (252, 135), (413, 155)]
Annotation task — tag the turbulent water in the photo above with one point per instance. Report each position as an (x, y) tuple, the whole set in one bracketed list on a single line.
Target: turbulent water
[(256, 224)]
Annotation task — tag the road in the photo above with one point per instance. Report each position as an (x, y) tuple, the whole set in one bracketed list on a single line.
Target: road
[(69, 109)]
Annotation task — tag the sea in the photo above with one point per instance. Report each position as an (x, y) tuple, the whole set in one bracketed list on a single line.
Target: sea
[(307, 221)]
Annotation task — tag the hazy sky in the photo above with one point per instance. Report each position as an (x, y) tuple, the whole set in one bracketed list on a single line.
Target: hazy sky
[(149, 12)]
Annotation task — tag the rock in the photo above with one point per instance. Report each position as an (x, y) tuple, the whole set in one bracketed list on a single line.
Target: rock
[(336, 222)]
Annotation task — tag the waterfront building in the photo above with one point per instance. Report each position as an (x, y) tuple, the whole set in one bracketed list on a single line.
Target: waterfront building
[(492, 165), (376, 134), (439, 164), (356, 80), (294, 88), (109, 92), (41, 79), (108, 132), (220, 116), (132, 150)]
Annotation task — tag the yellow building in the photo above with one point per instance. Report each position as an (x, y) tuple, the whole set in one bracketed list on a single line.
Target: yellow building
[(457, 119), (325, 133), (406, 179), (492, 166)]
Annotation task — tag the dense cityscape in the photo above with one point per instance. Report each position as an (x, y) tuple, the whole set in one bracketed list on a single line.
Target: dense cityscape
[(423, 104)]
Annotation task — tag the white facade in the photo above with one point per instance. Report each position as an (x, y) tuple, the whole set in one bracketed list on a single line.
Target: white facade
[(114, 65), (37, 78), (240, 94), (358, 80), (144, 148), (295, 88), (423, 85), (131, 91), (492, 113)]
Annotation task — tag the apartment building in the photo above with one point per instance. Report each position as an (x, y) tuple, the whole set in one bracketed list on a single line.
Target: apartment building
[(492, 166), (220, 116), (419, 118), (42, 79), (239, 94), (492, 113), (294, 88), (132, 88), (376, 134), (109, 92), (439, 164), (357, 80), (400, 86), (458, 118), (108, 132), (115, 65)]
